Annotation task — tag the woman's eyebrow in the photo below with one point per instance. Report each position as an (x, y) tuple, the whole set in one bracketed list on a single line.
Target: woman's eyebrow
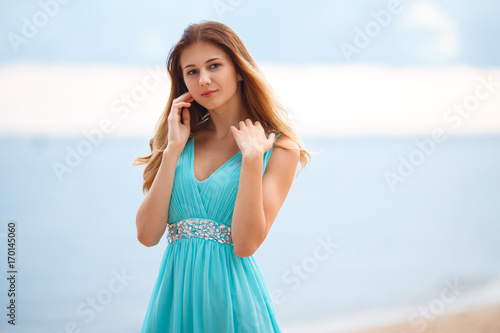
[(212, 59)]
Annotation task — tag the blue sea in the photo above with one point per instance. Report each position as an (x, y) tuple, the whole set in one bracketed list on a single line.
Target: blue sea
[(372, 223)]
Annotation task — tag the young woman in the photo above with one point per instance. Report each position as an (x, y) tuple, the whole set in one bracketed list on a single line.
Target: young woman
[(212, 183)]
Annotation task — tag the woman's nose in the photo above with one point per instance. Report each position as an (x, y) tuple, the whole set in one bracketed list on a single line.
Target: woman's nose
[(204, 78)]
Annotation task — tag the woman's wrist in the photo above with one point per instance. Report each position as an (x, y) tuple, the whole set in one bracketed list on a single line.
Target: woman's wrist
[(252, 154), (173, 149)]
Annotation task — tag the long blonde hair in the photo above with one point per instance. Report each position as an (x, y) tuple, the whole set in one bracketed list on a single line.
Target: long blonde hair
[(257, 94)]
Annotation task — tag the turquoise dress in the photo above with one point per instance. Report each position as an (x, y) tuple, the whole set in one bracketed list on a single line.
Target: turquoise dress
[(202, 286)]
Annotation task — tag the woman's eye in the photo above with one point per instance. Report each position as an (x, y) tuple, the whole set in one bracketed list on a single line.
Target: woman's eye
[(193, 71)]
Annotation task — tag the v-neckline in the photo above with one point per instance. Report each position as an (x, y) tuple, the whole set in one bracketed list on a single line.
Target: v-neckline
[(213, 173)]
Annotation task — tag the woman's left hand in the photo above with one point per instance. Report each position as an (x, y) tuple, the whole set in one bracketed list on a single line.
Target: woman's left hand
[(251, 138)]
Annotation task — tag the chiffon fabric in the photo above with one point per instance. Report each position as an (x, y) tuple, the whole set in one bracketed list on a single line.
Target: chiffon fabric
[(202, 286)]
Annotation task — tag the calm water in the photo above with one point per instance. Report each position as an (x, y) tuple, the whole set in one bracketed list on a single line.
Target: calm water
[(80, 265)]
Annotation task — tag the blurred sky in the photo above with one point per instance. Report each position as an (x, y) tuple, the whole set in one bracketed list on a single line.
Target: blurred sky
[(423, 33), (410, 60)]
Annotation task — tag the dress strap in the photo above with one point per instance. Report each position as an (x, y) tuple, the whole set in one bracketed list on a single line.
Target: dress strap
[(276, 136), (267, 154)]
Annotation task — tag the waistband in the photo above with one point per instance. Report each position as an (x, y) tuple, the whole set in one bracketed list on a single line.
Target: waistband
[(199, 228)]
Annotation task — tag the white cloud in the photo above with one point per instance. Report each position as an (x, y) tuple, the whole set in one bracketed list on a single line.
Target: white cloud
[(425, 15), (324, 100)]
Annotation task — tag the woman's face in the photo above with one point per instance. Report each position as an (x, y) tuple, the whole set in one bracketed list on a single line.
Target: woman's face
[(206, 67)]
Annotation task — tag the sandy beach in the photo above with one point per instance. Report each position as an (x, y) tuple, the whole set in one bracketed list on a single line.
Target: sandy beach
[(484, 320)]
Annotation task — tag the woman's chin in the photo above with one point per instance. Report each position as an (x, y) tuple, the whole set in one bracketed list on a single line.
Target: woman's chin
[(209, 105)]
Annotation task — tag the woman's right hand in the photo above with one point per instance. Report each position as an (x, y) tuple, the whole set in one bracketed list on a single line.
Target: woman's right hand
[(178, 133)]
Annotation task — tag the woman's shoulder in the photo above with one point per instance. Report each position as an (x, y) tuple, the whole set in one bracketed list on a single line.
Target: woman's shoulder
[(287, 142), (284, 158), (285, 152)]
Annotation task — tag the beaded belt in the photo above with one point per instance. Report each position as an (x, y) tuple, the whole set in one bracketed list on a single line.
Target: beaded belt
[(199, 228)]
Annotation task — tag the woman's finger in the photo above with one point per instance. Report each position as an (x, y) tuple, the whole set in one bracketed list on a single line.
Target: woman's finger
[(186, 116), (183, 97), (182, 104)]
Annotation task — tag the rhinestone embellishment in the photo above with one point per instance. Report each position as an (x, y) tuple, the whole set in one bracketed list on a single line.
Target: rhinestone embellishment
[(199, 228)]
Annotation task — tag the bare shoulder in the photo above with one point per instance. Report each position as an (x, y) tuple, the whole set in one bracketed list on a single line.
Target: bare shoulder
[(284, 158), (288, 143)]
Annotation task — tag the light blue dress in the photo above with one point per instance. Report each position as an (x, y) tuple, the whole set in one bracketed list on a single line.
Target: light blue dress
[(202, 286)]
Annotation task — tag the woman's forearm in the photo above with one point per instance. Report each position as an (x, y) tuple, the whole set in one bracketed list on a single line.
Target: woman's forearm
[(249, 222), (152, 216)]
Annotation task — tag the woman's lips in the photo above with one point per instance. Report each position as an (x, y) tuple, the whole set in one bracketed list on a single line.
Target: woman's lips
[(209, 93)]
